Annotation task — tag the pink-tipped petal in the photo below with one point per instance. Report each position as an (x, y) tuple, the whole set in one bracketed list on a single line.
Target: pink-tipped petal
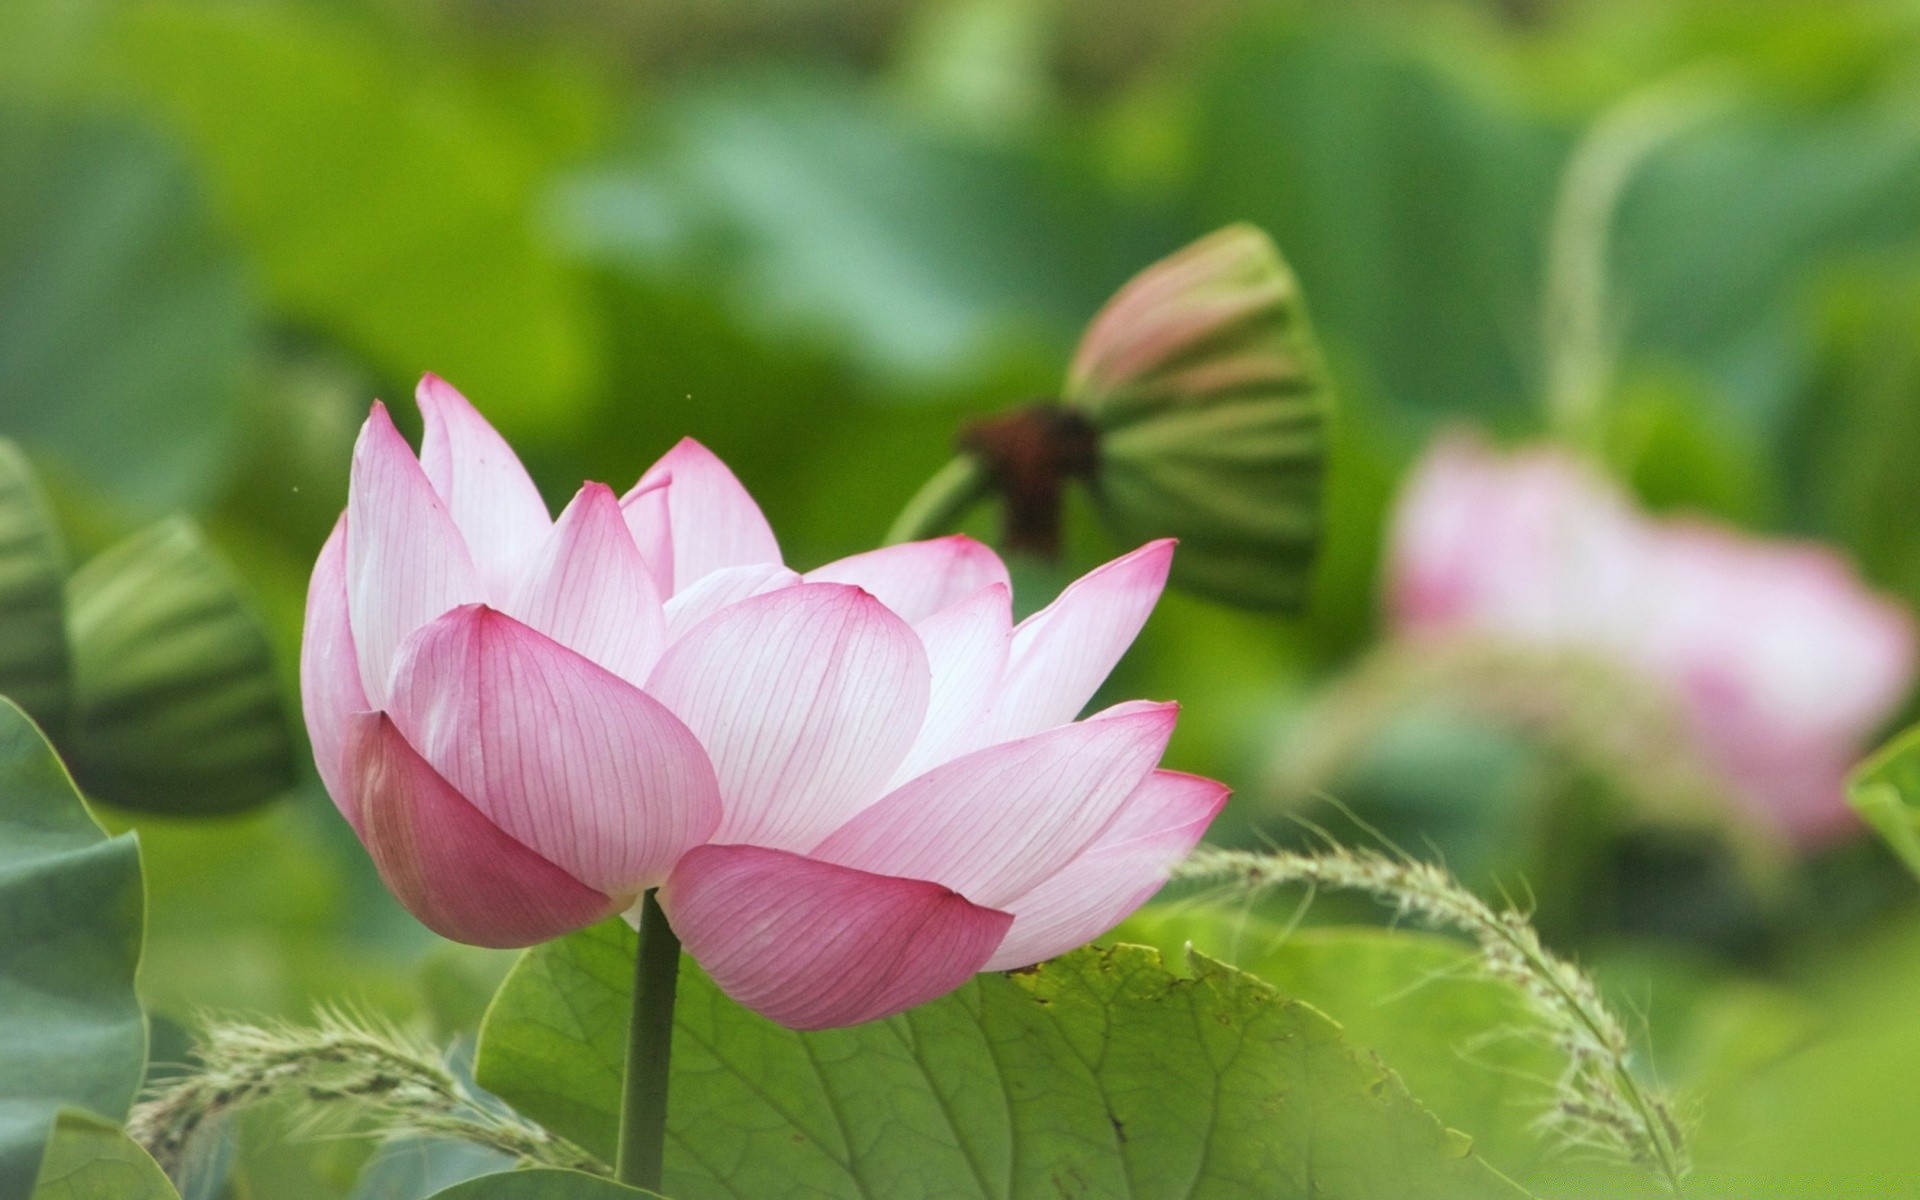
[(491, 497), (1159, 825), (719, 589), (569, 759), (816, 946), (645, 509), (330, 691), (406, 560), (966, 647), (589, 589), (918, 579), (1063, 653), (994, 824), (806, 700), (455, 870), (712, 520)]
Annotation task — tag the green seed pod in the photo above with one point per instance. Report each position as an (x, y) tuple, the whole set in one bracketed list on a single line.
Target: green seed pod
[(1207, 389)]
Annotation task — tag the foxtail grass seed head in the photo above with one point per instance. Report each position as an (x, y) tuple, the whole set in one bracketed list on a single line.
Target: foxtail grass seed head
[(1599, 1100), (341, 1072)]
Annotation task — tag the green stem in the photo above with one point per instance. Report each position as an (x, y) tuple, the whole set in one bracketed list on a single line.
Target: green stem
[(643, 1103), (941, 501), (1577, 307)]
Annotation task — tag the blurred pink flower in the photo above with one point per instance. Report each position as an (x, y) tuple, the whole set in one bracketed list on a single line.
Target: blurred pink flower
[(854, 788), (1780, 657)]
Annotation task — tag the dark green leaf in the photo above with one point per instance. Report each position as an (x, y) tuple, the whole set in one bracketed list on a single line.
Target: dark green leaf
[(1099, 1074), (71, 1030), (33, 601), (90, 1159), (177, 707)]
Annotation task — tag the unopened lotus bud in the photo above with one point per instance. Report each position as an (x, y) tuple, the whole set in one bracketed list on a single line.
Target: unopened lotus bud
[(1206, 387)]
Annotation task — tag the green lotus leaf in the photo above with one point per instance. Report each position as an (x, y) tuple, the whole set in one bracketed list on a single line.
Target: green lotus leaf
[(1098, 1074), (72, 1035)]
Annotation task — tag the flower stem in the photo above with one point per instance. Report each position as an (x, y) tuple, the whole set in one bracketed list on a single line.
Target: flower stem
[(1578, 305), (940, 501), (643, 1102)]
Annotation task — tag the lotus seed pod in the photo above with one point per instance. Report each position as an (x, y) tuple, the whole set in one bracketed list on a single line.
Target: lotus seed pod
[(1207, 389)]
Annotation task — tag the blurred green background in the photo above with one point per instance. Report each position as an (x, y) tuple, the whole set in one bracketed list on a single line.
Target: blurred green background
[(820, 234)]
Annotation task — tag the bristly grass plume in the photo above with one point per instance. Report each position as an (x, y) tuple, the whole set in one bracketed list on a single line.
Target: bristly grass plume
[(1598, 1100), (339, 1072)]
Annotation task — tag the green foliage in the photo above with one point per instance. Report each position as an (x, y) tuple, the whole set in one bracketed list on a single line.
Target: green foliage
[(33, 599), (71, 1030), (123, 316), (261, 912), (1718, 245), (538, 1185), (412, 1168), (1676, 450), (1098, 1074), (554, 1040), (384, 198), (1885, 791), (1466, 1044), (845, 221), (1853, 444), (177, 706), (1412, 207), (90, 1159), (1822, 1121), (822, 235)]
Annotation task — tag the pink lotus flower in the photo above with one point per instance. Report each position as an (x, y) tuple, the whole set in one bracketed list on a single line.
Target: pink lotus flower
[(1781, 659), (854, 788)]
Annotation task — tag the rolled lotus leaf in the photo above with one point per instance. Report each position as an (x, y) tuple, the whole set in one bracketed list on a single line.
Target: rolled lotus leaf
[(33, 578), (177, 708)]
